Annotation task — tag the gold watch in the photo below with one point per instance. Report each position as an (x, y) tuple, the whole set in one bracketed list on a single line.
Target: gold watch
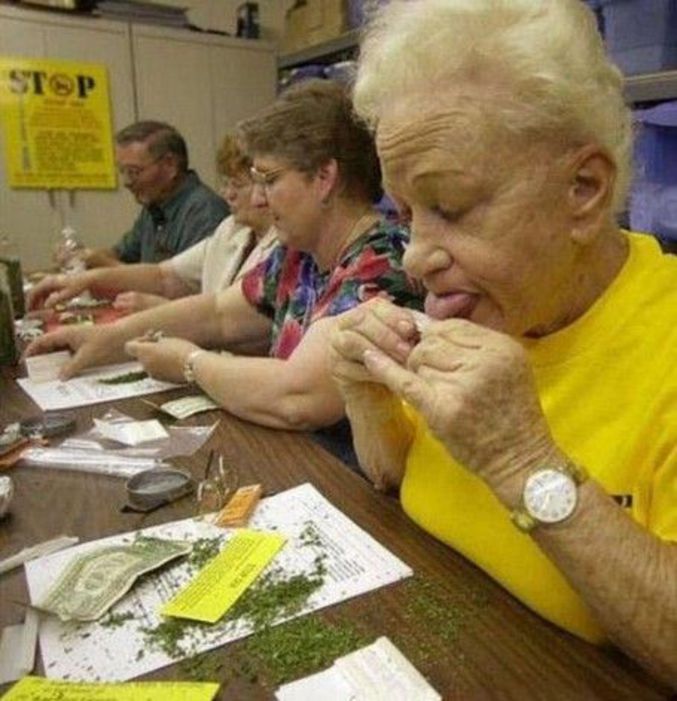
[(549, 496)]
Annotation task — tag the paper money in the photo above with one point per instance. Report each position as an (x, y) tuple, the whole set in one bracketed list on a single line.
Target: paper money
[(93, 582)]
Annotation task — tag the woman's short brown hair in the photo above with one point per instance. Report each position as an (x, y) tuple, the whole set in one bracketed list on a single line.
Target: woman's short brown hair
[(231, 160), (308, 125)]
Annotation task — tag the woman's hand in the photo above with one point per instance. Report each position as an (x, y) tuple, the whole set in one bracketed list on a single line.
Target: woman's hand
[(376, 325), (475, 388), (131, 302), (381, 433), (56, 288), (163, 359), (91, 345)]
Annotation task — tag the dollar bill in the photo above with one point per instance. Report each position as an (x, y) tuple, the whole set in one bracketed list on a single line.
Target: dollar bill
[(93, 582)]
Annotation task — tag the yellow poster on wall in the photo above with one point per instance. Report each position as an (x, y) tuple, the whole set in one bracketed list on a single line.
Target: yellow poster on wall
[(56, 124)]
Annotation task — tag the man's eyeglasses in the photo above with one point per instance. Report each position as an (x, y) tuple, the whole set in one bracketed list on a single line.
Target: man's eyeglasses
[(266, 179), (135, 172)]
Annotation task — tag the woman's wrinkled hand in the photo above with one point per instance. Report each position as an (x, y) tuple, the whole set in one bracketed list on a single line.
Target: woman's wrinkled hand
[(475, 388), (375, 325), (90, 345), (163, 359)]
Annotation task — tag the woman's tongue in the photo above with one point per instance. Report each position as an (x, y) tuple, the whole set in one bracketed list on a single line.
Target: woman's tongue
[(454, 304)]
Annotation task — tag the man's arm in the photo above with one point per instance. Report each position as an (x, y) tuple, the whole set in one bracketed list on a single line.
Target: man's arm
[(101, 257)]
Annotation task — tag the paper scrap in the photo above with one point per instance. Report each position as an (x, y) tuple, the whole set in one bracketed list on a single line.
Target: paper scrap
[(30, 688), (45, 368), (39, 550), (17, 648), (240, 506), (374, 673), (225, 578), (188, 406), (131, 432)]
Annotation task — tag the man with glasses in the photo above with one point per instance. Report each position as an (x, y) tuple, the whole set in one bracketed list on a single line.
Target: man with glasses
[(239, 242), (178, 210)]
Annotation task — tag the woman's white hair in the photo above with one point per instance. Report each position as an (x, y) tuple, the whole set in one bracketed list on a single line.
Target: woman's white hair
[(545, 55)]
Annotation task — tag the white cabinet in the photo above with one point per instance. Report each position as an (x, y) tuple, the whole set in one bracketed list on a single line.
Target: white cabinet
[(201, 83)]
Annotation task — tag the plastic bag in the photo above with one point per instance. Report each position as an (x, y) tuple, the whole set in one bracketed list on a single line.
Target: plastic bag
[(182, 440)]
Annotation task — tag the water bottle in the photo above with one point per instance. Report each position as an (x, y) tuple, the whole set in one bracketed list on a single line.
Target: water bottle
[(9, 259), (70, 253), (9, 354)]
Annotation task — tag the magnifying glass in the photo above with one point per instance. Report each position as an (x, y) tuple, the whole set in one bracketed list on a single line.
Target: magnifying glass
[(151, 489)]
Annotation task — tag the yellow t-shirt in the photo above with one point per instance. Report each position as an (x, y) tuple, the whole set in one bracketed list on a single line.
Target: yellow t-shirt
[(608, 386)]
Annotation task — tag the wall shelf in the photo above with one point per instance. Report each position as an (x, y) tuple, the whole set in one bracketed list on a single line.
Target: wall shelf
[(651, 86), (326, 52)]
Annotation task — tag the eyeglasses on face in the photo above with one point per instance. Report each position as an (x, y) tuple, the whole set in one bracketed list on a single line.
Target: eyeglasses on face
[(266, 179), (135, 172)]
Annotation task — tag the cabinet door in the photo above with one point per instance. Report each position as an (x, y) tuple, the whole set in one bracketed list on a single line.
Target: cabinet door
[(172, 79), (33, 217), (243, 81)]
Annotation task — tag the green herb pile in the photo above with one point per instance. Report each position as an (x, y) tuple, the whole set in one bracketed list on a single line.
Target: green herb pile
[(275, 653), (123, 379)]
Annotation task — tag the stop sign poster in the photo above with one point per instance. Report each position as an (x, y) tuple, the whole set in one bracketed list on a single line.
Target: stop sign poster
[(56, 124)]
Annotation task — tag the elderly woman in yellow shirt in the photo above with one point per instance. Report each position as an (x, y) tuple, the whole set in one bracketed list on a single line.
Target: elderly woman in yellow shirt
[(538, 431)]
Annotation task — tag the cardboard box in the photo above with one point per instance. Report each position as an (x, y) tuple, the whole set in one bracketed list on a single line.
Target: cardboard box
[(313, 22)]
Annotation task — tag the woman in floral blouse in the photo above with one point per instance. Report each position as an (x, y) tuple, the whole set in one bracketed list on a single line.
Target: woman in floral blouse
[(316, 169)]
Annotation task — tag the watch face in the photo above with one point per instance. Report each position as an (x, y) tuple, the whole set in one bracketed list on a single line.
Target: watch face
[(550, 495)]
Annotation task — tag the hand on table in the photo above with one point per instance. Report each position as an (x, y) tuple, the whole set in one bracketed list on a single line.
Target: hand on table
[(163, 359), (90, 346), (56, 288)]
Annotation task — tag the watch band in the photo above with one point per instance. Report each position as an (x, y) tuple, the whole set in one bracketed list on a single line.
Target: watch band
[(189, 365), (527, 522)]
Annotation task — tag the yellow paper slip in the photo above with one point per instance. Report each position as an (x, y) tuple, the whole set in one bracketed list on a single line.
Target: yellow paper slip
[(31, 688), (225, 578)]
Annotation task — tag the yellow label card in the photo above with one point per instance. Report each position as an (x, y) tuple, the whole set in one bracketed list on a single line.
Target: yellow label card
[(32, 688), (225, 578)]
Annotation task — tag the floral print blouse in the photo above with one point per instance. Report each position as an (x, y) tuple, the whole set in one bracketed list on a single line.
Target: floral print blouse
[(289, 288)]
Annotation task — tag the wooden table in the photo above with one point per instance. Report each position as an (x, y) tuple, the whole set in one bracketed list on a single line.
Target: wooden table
[(501, 651)]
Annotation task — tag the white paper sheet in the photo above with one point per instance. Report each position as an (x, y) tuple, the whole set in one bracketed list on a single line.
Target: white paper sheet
[(355, 564), (377, 672), (86, 388), (46, 368)]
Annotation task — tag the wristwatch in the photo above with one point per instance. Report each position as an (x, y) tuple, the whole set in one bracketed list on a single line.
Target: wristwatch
[(550, 496), (189, 365)]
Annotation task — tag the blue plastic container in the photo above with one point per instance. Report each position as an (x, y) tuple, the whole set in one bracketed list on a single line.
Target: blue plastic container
[(653, 202), (641, 35)]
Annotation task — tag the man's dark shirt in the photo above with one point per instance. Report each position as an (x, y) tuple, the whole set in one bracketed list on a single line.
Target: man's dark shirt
[(161, 231)]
